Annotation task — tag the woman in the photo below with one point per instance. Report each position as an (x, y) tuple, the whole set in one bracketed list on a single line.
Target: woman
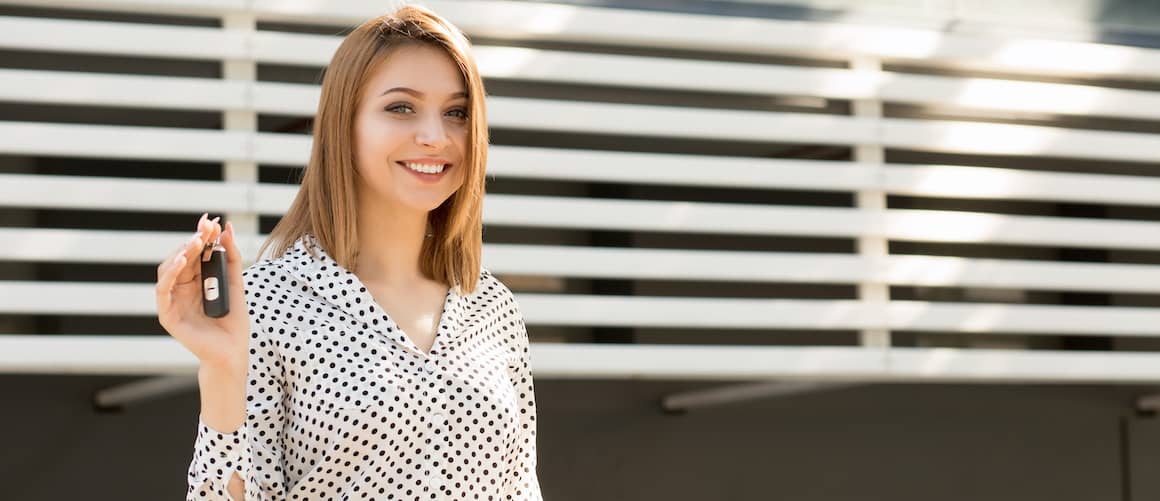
[(372, 357)]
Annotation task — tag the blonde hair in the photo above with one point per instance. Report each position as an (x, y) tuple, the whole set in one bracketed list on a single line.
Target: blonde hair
[(325, 205)]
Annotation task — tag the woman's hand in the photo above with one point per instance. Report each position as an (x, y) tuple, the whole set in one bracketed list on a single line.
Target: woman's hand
[(221, 343)]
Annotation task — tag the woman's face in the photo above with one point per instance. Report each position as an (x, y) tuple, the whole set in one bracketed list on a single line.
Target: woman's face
[(413, 117)]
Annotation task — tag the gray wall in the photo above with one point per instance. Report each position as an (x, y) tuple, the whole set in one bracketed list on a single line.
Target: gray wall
[(608, 440)]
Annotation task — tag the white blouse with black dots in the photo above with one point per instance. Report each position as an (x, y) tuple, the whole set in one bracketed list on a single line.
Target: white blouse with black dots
[(341, 404)]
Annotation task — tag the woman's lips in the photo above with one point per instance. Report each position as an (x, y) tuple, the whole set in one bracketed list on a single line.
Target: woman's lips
[(425, 176)]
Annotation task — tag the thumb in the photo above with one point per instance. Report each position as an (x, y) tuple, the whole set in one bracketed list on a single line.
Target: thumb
[(233, 258)]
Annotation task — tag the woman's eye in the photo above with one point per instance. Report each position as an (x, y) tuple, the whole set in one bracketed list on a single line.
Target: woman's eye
[(399, 108), (458, 113)]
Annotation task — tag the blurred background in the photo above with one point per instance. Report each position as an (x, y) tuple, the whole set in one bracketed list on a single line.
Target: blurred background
[(766, 249)]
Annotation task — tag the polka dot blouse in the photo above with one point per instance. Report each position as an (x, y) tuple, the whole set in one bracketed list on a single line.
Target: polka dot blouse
[(342, 405)]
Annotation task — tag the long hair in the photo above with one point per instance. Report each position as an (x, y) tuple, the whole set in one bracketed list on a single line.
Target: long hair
[(325, 205)]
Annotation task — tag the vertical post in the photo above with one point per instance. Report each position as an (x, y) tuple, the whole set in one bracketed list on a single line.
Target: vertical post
[(23, 217), (871, 156), (242, 120)]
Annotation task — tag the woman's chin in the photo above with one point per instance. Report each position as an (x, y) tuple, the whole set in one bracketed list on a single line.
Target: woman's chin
[(424, 205)]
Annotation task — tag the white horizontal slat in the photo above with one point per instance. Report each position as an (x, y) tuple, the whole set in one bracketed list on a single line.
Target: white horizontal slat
[(104, 246), (149, 247), (100, 37), (667, 73), (71, 87), (1006, 95), (678, 169), (1014, 184), (77, 298), (695, 217), (666, 121), (1026, 319), (941, 271), (152, 143), (920, 180), (160, 143), (1008, 139), (953, 226), (1007, 366), (750, 266), (123, 194), (298, 49), (678, 312), (173, 7), (841, 363), (923, 365), (898, 224), (829, 83), (282, 149), (274, 200), (65, 354), (144, 355), (585, 360), (286, 98), (718, 313), (101, 89)]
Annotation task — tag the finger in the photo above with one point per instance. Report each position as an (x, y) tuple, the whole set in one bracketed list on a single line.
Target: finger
[(183, 249), (233, 257), (213, 234), (171, 269), (165, 283), (190, 268)]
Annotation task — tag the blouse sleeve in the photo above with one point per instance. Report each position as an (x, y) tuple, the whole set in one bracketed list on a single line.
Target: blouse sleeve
[(216, 457), (254, 450), (525, 484)]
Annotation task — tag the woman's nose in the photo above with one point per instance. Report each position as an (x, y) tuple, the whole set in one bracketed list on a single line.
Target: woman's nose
[(432, 133)]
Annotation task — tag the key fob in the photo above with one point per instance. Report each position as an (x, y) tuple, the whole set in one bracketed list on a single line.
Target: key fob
[(215, 291)]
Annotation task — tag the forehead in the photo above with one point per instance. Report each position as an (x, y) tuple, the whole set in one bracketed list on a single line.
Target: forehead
[(427, 69)]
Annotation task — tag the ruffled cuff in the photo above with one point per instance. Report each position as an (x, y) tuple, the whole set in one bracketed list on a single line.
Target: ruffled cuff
[(222, 454)]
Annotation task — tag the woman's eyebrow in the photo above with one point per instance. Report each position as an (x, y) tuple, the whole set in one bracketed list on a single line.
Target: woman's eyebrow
[(418, 94)]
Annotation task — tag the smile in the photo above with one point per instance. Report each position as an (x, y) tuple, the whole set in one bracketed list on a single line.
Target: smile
[(425, 168), (427, 172)]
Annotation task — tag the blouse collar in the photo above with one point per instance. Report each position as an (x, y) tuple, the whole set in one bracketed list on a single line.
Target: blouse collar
[(342, 288)]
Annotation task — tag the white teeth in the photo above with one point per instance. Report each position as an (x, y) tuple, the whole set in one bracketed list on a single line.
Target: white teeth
[(426, 169)]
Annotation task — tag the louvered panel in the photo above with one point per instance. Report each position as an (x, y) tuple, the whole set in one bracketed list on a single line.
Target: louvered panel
[(717, 179)]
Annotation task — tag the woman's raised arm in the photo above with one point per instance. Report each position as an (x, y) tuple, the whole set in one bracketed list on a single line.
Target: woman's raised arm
[(221, 346)]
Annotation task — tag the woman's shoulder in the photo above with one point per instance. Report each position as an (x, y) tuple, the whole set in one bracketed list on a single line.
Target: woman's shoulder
[(292, 263), (490, 286), (262, 272), (492, 296)]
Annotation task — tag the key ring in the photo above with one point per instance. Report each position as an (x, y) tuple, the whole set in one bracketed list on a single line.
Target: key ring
[(206, 251)]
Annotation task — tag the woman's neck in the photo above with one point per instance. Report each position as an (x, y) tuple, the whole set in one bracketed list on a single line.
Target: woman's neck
[(389, 241)]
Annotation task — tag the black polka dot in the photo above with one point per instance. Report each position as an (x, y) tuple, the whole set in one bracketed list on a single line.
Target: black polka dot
[(342, 404)]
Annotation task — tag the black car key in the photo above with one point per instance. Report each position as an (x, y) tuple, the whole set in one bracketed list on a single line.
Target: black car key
[(215, 290)]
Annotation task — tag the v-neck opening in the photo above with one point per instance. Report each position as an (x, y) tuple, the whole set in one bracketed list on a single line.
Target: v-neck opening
[(373, 315), (402, 334)]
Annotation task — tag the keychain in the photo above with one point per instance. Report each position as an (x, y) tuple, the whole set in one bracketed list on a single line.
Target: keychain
[(215, 291)]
